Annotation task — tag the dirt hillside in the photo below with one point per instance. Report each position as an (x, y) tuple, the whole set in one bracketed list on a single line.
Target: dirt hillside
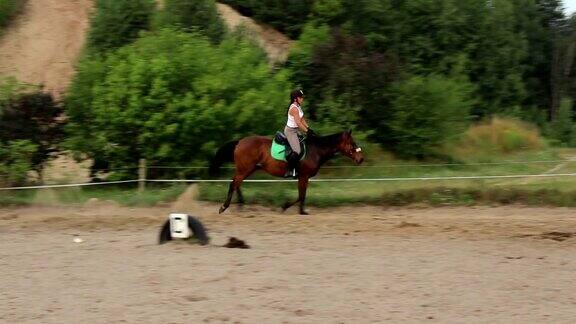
[(276, 44), (44, 42)]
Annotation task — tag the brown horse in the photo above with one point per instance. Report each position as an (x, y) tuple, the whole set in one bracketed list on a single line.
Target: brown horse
[(253, 153)]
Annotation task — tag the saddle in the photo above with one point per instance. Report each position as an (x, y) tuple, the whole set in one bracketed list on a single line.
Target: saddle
[(281, 148)]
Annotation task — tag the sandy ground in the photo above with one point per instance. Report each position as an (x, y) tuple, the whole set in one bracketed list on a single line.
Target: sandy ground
[(275, 44), (42, 45), (344, 265)]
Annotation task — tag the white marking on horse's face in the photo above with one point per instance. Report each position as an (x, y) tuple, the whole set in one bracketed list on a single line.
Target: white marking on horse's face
[(358, 150)]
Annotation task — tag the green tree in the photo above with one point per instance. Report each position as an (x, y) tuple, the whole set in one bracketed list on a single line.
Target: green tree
[(563, 128), (288, 16), (27, 114), (198, 15), (118, 22), (15, 161), (8, 9), (428, 112), (173, 98)]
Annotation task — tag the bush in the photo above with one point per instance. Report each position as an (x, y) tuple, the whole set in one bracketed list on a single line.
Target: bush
[(8, 9), (196, 15), (498, 136), (16, 160), (173, 98), (30, 115), (563, 130), (428, 112), (118, 22), (343, 77), (288, 16)]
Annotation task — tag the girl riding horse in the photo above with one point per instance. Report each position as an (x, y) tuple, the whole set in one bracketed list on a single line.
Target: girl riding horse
[(253, 153), (295, 123)]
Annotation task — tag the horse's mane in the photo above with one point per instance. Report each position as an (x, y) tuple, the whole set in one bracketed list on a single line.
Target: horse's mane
[(325, 141)]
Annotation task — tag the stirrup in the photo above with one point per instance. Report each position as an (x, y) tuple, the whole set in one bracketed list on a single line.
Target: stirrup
[(291, 174)]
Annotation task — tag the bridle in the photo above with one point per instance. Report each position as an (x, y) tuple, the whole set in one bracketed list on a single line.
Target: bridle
[(353, 149)]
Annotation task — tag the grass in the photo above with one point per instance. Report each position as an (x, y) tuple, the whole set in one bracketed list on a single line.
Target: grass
[(557, 193), (482, 151), (124, 195), (528, 191)]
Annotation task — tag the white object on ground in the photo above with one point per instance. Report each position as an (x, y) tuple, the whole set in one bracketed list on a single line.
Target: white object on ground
[(179, 226)]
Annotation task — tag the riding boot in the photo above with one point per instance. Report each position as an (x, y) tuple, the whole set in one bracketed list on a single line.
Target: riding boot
[(291, 171)]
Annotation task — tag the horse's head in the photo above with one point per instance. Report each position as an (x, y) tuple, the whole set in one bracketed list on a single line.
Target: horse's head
[(348, 147)]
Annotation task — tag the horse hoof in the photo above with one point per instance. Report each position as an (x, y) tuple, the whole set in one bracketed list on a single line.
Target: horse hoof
[(222, 209), (304, 213)]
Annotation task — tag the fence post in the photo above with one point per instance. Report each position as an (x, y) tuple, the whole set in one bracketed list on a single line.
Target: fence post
[(142, 175)]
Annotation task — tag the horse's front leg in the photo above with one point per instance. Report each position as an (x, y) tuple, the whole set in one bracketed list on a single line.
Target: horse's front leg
[(302, 187)]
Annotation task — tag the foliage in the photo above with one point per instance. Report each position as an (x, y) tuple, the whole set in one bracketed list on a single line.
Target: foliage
[(497, 137), (508, 45), (173, 98), (343, 78), (505, 48), (118, 22), (563, 129), (29, 118), (428, 112), (197, 15), (16, 160), (287, 16), (8, 9)]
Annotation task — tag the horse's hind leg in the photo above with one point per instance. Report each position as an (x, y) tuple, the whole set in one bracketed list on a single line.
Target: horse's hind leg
[(235, 186), (228, 197)]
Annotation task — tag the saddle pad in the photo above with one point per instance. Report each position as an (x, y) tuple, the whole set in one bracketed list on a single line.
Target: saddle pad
[(278, 151)]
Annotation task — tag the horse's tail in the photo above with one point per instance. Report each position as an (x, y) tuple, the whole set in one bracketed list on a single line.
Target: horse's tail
[(224, 154)]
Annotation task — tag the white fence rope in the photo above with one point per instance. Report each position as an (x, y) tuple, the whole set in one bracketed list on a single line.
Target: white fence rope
[(388, 166), (312, 180), (385, 179), (361, 166), (70, 185)]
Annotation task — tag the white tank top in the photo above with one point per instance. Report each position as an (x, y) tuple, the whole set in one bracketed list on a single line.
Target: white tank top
[(291, 122)]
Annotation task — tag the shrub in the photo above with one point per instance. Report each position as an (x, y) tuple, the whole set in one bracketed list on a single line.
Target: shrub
[(8, 9), (196, 15), (428, 112), (173, 98), (16, 160), (343, 77), (288, 16), (563, 129), (118, 22), (498, 136), (30, 115)]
